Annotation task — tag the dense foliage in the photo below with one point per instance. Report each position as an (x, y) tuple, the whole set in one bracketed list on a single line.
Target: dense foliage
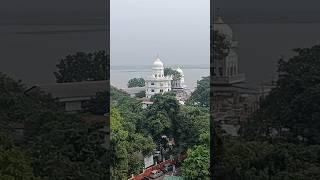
[(292, 109), (281, 140), (128, 145), (83, 67), (175, 74), (201, 95), (136, 82), (137, 131), (264, 160), (13, 162), (60, 146)]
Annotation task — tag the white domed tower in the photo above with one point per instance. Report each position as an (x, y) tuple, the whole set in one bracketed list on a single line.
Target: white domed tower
[(222, 28), (157, 82), (225, 71)]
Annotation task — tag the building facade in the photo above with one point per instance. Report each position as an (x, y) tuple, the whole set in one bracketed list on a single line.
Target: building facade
[(157, 83), (226, 70), (232, 101)]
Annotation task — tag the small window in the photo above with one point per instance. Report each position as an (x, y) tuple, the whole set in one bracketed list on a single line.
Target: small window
[(152, 90), (161, 90), (152, 83)]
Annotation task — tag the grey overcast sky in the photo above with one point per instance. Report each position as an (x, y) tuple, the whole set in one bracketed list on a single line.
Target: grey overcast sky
[(177, 30), (36, 34), (291, 8)]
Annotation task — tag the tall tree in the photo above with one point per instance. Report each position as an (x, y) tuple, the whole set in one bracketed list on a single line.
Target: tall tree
[(292, 107), (196, 165), (13, 162), (136, 82), (83, 67), (201, 95), (169, 71)]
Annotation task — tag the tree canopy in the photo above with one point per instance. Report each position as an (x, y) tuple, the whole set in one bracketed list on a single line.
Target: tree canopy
[(169, 71), (83, 66), (201, 95), (281, 139), (59, 145), (13, 162), (136, 82), (292, 107)]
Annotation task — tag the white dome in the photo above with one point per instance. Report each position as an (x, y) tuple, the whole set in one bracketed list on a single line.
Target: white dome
[(157, 64), (179, 71), (223, 28)]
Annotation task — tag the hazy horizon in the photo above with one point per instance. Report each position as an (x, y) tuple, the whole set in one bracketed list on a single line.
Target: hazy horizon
[(178, 31)]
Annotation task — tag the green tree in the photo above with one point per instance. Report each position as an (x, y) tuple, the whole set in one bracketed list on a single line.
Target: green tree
[(83, 67), (160, 115), (128, 145), (136, 82), (292, 107), (201, 95), (65, 146), (13, 162), (169, 71), (192, 122), (264, 161), (119, 154), (196, 165)]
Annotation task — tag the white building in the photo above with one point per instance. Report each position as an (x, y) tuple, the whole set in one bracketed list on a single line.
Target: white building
[(157, 82), (179, 83), (226, 71)]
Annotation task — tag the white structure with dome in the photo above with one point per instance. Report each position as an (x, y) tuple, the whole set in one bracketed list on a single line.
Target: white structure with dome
[(179, 83), (157, 82), (226, 71)]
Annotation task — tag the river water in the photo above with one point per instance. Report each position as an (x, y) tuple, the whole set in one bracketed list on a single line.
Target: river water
[(30, 53), (120, 75)]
